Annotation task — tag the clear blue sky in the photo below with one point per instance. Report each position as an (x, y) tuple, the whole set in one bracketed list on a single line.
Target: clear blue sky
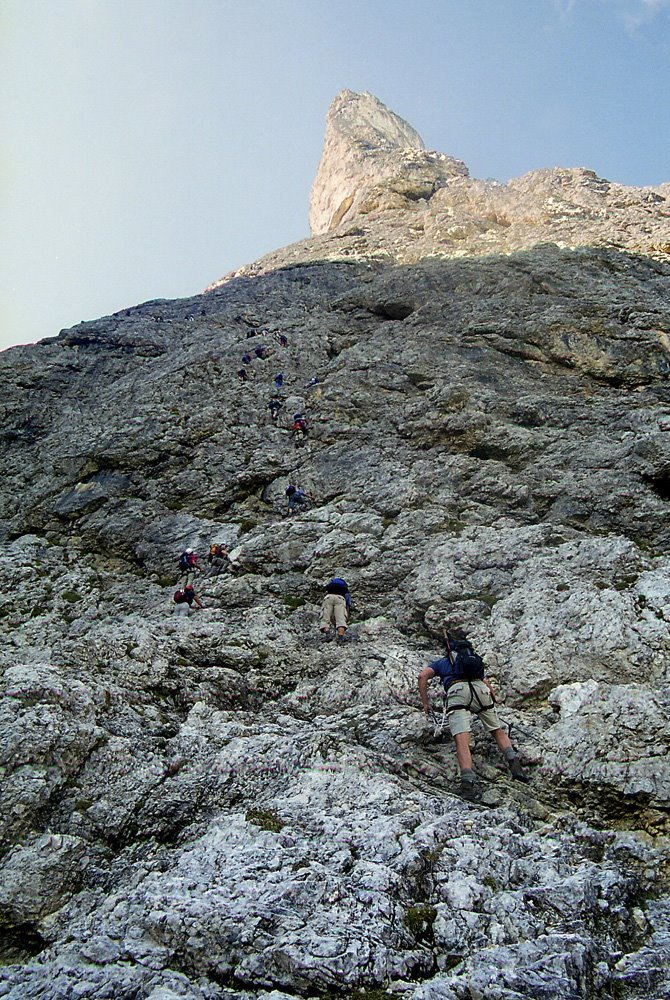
[(150, 146)]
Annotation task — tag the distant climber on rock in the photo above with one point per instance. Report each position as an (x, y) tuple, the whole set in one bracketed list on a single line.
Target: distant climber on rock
[(274, 406), (468, 693), (261, 351), (246, 358), (281, 339), (298, 500), (218, 560), (188, 565), (299, 429), (243, 375), (279, 380), (185, 599), (335, 609)]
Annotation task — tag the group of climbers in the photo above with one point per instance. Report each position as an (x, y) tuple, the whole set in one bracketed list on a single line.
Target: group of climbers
[(261, 352), (467, 691), (218, 561)]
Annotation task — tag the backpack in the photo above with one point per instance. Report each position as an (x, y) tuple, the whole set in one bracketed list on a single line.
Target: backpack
[(469, 664), (339, 582), (184, 561), (179, 596)]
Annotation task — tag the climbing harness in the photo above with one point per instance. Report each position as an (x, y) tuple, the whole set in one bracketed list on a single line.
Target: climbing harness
[(440, 723), (473, 700)]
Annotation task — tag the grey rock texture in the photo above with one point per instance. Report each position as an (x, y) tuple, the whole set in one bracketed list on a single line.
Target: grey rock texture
[(224, 805)]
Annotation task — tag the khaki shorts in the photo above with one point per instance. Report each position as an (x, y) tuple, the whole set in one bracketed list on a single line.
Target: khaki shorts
[(462, 698), (334, 608)]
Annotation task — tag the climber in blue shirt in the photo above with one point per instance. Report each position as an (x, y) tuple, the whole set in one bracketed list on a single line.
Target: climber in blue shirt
[(468, 693), (335, 609)]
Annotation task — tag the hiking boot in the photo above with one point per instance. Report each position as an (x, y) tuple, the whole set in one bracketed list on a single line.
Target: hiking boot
[(340, 639), (517, 771), (326, 636), (471, 789)]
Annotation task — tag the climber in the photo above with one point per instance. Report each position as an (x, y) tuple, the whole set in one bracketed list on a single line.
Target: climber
[(467, 693), (274, 406), (246, 358), (243, 375), (335, 609), (218, 560), (312, 382), (188, 565), (299, 429), (184, 600), (282, 339), (279, 380), (298, 500), (261, 351)]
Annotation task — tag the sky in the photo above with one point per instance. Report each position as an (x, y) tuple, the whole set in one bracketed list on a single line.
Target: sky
[(151, 146)]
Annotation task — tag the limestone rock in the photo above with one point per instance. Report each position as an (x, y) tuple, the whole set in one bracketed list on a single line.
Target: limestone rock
[(227, 807), (372, 159)]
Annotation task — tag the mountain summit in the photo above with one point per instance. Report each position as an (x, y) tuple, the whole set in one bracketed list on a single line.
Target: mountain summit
[(374, 162), (379, 193), (368, 154), (222, 805)]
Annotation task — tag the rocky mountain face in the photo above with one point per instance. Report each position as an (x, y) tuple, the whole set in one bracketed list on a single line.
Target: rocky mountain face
[(226, 806)]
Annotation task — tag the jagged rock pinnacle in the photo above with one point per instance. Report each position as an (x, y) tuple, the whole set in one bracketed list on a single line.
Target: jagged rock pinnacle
[(370, 153), (412, 202)]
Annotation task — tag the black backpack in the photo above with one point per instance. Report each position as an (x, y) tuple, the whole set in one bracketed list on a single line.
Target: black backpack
[(469, 664)]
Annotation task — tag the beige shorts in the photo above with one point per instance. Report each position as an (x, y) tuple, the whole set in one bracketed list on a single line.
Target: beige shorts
[(463, 703), (334, 610)]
